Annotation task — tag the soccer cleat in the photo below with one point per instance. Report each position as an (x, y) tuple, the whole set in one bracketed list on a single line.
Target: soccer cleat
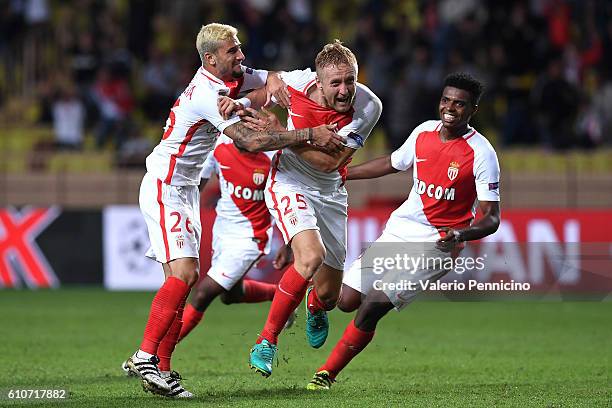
[(262, 357), (290, 320), (126, 370), (317, 325), (146, 369), (174, 382), (320, 381)]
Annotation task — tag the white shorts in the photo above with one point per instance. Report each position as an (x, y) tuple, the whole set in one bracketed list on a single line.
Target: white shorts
[(172, 214), (232, 257), (362, 276), (296, 209)]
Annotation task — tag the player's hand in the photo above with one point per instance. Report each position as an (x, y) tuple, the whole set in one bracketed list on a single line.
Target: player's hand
[(277, 88), (449, 241), (325, 138), (283, 257), (260, 120), (227, 106)]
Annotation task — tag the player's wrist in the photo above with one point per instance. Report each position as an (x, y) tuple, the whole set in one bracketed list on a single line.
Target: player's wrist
[(244, 101), (459, 235)]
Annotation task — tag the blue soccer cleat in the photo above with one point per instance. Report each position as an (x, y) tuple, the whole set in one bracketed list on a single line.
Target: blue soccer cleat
[(317, 325), (262, 357)]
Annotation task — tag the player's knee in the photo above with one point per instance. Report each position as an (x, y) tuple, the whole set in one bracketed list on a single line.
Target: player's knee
[(309, 263), (349, 303)]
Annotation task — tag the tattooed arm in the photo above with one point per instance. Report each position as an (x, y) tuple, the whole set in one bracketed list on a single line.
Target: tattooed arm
[(270, 139)]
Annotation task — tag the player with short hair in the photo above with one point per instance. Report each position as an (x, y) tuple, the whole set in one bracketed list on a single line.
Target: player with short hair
[(455, 170), (242, 232), (306, 193), (169, 196)]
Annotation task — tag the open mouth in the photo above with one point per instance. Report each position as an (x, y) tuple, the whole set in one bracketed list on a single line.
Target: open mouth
[(447, 117)]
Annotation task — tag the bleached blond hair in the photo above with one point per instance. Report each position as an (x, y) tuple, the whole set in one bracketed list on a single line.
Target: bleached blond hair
[(335, 54), (211, 36)]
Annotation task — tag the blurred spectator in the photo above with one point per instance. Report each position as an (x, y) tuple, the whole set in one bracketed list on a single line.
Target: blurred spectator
[(68, 119), (556, 101), (159, 76), (115, 104), (134, 150)]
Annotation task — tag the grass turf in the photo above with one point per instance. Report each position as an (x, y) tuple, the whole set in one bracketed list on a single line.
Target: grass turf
[(435, 353)]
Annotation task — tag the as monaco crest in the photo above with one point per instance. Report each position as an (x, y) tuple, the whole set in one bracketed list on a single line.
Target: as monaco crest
[(453, 170), (259, 177), (180, 241)]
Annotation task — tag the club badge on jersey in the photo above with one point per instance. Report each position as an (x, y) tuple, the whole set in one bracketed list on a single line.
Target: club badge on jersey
[(259, 176), (453, 170)]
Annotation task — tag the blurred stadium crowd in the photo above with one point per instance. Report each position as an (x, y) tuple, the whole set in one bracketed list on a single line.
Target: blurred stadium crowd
[(111, 69)]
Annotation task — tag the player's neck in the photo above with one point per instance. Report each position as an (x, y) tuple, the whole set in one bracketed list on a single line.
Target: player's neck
[(447, 135), (315, 94), (215, 72)]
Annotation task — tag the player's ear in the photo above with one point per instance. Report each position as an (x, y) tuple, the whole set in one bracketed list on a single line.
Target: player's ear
[(209, 58)]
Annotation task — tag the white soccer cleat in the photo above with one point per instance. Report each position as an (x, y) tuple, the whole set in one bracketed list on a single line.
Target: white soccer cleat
[(146, 369), (173, 379), (126, 370)]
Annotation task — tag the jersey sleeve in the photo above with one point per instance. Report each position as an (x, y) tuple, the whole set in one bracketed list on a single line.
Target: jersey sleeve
[(299, 78), (253, 78), (206, 106), (367, 112), (486, 174), (403, 158), (210, 166)]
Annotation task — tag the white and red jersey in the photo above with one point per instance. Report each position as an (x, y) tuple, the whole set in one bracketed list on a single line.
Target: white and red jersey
[(241, 210), (449, 180), (355, 125), (194, 125)]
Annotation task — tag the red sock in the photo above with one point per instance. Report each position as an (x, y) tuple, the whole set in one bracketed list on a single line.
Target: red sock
[(168, 343), (191, 318), (163, 312), (289, 294), (314, 303), (255, 292), (352, 342)]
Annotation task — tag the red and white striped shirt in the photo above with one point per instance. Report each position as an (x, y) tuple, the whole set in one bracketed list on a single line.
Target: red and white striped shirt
[(194, 125), (241, 210), (449, 180)]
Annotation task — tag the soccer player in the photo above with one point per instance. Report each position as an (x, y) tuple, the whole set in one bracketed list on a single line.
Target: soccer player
[(169, 196), (455, 169), (242, 232), (306, 194)]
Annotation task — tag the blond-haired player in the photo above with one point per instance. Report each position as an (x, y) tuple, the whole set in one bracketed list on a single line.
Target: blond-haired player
[(169, 197), (306, 194)]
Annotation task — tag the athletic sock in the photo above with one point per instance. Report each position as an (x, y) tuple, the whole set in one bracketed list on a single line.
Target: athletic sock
[(168, 343), (289, 294), (255, 292), (164, 310), (191, 318), (315, 304), (352, 342)]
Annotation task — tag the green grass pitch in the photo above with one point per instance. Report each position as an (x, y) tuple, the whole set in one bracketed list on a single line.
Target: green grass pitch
[(433, 354)]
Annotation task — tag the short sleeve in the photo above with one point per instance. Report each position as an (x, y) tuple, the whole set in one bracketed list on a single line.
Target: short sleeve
[(299, 78), (486, 174), (403, 158), (206, 106), (254, 78), (368, 109)]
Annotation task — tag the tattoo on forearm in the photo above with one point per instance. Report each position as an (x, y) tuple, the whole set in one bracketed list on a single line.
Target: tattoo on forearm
[(246, 139)]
